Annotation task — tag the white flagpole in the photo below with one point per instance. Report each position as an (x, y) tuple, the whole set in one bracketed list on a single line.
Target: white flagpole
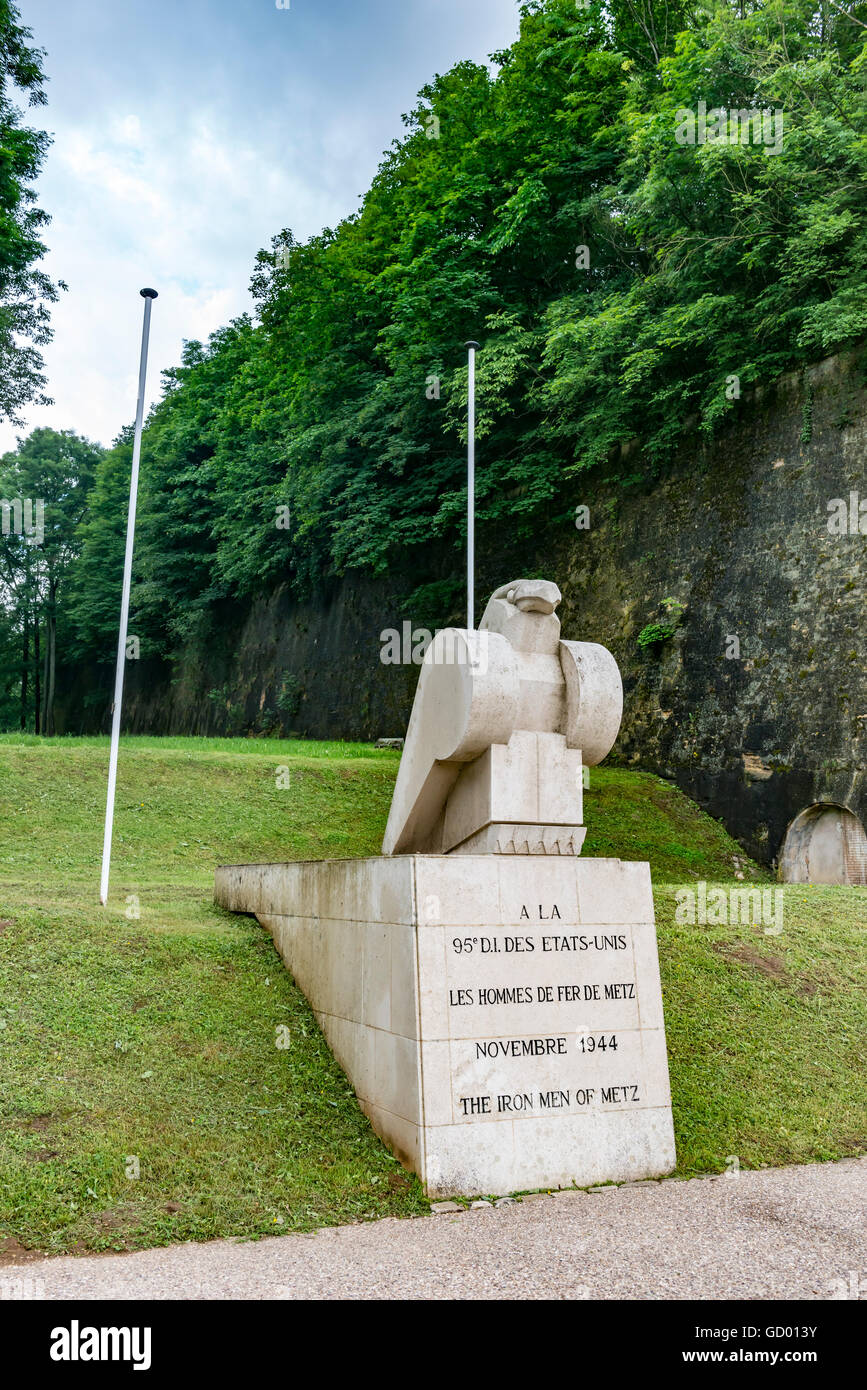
[(149, 296), (471, 483)]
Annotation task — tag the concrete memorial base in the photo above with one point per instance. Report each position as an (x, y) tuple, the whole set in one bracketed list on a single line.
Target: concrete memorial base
[(500, 1016)]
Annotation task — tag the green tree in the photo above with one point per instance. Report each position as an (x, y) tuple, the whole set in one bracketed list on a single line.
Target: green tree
[(623, 285), (50, 474), (97, 575), (25, 291)]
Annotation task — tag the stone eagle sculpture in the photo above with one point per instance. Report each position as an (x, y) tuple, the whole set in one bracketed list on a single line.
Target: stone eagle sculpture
[(502, 722)]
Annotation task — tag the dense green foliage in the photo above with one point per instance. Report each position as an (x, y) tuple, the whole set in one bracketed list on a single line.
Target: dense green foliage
[(623, 285), (25, 291), (51, 474)]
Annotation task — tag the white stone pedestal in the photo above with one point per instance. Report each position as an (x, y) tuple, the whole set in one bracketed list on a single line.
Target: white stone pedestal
[(500, 1016)]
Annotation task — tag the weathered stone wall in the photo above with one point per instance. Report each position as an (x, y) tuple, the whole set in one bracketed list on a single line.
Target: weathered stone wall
[(736, 531)]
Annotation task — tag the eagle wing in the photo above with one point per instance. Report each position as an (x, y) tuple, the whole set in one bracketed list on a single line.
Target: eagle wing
[(467, 698)]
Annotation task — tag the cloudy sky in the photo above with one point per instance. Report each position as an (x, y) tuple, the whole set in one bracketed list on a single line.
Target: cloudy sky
[(186, 133)]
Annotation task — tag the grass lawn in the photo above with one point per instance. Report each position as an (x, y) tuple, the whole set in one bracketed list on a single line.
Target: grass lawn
[(143, 1096)]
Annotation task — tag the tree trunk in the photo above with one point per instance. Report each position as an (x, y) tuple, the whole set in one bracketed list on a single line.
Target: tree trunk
[(50, 660), (37, 702), (25, 669), (45, 677)]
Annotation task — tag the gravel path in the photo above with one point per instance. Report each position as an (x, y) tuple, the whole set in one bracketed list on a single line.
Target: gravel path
[(781, 1233)]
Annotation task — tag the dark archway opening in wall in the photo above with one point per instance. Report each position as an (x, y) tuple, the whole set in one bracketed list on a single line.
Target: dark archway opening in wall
[(826, 843)]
